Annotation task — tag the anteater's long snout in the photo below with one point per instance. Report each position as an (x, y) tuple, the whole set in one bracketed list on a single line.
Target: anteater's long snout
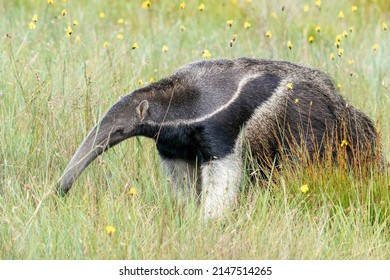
[(93, 145)]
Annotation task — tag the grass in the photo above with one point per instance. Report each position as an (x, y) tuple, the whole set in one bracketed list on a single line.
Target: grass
[(54, 88)]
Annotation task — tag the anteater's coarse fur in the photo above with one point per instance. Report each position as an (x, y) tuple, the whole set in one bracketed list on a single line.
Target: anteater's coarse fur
[(203, 116)]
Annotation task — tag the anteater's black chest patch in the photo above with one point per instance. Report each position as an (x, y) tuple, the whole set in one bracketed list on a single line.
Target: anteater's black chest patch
[(216, 136)]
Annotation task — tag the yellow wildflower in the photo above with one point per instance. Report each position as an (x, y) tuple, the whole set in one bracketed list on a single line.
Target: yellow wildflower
[(306, 8), (133, 191), (340, 52), (296, 100), (354, 8), (304, 188), (51, 2), (182, 5), (151, 80), (318, 28), (289, 86), (63, 12), (351, 61), (75, 22), (290, 45), (338, 40), (201, 7), (351, 29), (247, 25), (375, 47), (106, 44), (384, 26), (164, 48), (77, 39), (69, 31), (331, 56), (182, 27), (120, 21), (120, 36), (110, 230), (318, 4), (345, 34), (102, 15), (311, 39), (274, 15), (135, 46), (229, 22), (34, 18), (341, 15), (338, 85), (206, 54), (248, 1), (233, 40), (32, 25), (146, 4), (344, 143), (268, 34), (140, 82)]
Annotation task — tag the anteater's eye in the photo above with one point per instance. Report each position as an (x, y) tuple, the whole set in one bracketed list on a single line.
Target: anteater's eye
[(120, 131)]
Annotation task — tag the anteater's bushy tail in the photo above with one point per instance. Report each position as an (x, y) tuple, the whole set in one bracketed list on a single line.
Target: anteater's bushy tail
[(358, 135)]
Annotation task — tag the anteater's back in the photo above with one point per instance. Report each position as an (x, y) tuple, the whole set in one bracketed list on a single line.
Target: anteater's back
[(277, 105), (298, 105)]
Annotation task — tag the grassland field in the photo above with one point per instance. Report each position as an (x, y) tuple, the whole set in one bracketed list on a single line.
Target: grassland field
[(64, 63)]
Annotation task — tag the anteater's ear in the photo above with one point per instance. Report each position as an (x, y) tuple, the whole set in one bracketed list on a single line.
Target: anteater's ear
[(142, 109)]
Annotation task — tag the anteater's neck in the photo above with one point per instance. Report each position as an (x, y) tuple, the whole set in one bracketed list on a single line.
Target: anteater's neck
[(175, 141)]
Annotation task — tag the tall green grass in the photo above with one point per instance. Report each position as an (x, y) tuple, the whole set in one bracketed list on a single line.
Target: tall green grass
[(54, 88)]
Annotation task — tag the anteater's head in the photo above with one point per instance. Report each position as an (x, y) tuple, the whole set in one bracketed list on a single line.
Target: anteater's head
[(120, 122)]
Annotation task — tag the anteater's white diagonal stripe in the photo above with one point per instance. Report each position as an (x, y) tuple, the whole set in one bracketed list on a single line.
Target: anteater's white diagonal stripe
[(234, 97)]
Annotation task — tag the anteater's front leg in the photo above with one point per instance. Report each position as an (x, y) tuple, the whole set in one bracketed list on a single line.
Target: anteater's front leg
[(182, 175), (220, 184)]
